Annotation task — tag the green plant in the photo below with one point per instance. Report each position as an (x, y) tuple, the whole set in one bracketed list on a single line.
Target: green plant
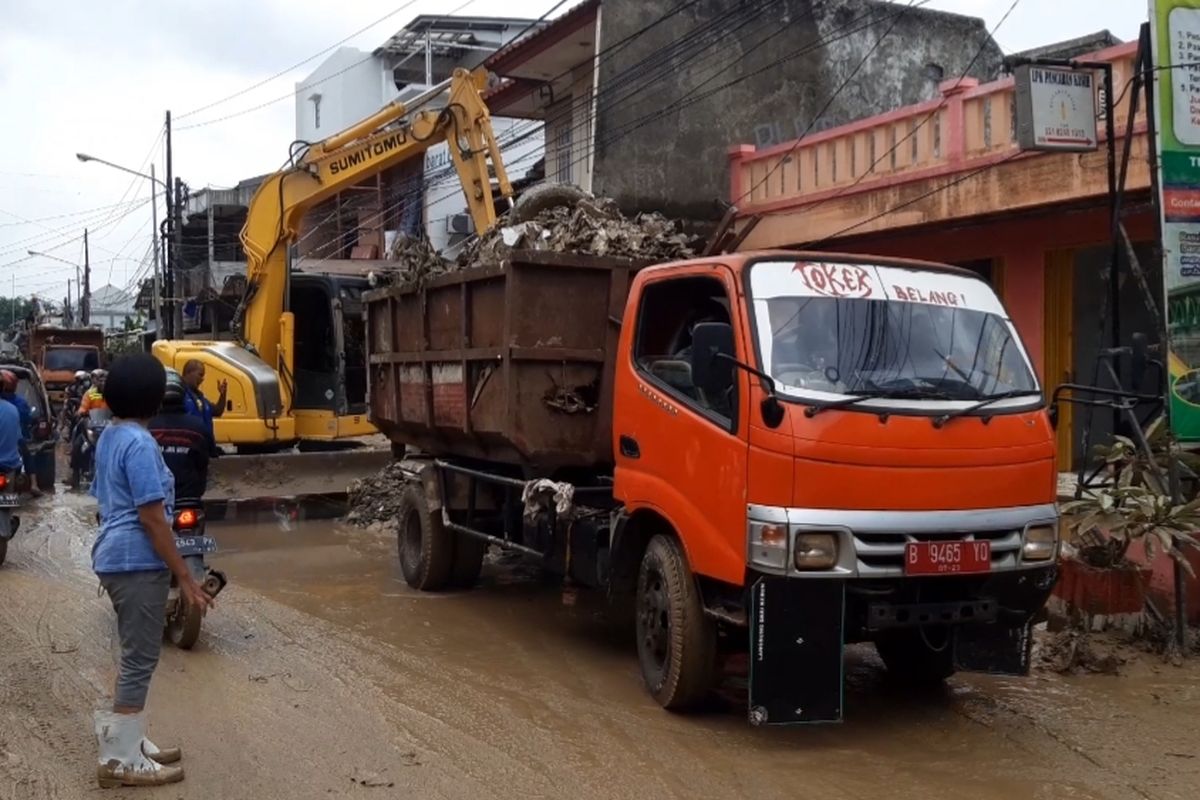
[(1137, 504)]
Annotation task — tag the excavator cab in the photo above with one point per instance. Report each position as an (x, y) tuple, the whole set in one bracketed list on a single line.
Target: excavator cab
[(330, 362)]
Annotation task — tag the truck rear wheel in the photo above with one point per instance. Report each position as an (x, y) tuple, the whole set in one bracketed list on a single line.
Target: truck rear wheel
[(918, 656), (426, 548), (676, 642)]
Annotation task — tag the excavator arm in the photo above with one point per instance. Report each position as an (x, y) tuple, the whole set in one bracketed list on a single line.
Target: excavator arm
[(260, 368), (383, 140)]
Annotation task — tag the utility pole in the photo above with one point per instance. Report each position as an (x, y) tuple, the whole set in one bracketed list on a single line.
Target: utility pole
[(154, 234), (68, 316), (172, 248), (85, 295), (176, 283)]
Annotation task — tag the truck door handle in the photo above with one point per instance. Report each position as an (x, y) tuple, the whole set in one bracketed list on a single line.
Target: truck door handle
[(629, 447)]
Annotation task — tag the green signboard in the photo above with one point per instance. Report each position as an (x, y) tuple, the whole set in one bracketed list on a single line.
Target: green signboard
[(1175, 38)]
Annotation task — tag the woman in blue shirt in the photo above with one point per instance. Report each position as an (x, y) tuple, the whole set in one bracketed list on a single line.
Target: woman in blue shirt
[(134, 556)]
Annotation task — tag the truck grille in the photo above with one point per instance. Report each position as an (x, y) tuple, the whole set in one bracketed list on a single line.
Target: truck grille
[(882, 554)]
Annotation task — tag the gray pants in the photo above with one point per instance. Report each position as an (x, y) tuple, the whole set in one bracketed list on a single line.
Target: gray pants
[(140, 600)]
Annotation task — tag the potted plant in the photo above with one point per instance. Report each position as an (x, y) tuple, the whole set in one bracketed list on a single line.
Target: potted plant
[(1100, 586)]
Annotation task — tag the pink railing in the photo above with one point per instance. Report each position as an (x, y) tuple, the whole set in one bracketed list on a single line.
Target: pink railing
[(968, 126)]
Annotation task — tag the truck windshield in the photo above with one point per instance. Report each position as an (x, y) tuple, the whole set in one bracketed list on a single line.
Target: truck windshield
[(832, 330), (73, 359)]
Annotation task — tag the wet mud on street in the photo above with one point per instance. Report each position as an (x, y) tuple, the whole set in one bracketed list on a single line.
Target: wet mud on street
[(321, 674)]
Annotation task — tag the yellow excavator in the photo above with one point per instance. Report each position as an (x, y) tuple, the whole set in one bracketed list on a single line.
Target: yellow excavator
[(297, 371)]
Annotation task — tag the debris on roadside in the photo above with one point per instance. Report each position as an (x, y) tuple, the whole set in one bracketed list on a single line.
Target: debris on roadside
[(376, 498), (592, 226), (1073, 652)]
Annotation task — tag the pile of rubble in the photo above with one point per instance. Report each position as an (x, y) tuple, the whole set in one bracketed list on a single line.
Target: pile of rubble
[(415, 262), (586, 225), (592, 227), (376, 499)]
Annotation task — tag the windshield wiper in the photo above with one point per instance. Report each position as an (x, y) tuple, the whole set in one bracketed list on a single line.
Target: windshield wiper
[(891, 394), (984, 403)]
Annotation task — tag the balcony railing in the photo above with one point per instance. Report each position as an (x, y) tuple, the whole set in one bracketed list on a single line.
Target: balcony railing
[(968, 126)]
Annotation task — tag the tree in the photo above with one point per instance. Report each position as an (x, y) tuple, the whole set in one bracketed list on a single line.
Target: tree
[(16, 309)]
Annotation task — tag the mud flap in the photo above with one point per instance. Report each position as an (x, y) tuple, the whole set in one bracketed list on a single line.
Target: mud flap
[(796, 632), (994, 649)]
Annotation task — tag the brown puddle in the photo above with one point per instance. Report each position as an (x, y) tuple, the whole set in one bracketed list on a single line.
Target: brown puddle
[(555, 671)]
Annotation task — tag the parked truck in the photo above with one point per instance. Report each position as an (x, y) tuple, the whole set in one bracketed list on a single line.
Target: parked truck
[(774, 453), (61, 352)]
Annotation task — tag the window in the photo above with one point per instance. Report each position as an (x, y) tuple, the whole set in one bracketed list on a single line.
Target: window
[(316, 101), (62, 359), (663, 347)]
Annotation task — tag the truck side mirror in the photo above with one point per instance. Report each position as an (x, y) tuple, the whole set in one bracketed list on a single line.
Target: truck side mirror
[(709, 341)]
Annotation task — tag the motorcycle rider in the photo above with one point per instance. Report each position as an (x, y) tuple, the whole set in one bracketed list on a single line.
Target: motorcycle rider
[(73, 396), (11, 437), (8, 391), (93, 400), (184, 440)]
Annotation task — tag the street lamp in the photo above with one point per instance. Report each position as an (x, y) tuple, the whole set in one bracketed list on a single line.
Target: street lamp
[(84, 157), (78, 285)]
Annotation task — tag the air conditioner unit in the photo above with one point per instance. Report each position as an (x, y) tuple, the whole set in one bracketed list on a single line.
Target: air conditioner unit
[(459, 223)]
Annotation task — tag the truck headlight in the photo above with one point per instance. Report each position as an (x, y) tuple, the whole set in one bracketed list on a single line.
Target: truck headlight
[(816, 550), (768, 544), (1041, 543)]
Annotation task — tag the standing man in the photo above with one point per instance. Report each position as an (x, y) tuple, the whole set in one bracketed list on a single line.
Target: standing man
[(194, 401)]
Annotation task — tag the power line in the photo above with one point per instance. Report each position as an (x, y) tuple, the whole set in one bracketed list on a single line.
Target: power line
[(298, 64)]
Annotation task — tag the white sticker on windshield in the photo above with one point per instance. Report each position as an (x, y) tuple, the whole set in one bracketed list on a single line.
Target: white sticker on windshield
[(871, 282)]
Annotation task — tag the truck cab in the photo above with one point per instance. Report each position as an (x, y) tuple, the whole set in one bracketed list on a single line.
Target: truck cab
[(862, 436)]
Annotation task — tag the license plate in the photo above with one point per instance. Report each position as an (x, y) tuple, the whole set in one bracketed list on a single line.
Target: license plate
[(195, 545), (10, 500), (947, 558)]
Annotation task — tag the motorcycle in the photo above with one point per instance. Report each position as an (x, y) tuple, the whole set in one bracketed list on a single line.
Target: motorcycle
[(87, 433), (183, 620), (10, 501)]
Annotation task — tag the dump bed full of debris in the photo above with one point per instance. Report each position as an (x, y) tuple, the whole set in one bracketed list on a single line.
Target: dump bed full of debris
[(588, 226)]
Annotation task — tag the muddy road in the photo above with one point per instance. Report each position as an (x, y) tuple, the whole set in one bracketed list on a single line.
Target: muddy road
[(322, 675)]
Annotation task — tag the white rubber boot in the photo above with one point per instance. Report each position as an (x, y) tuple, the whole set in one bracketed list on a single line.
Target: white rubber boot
[(121, 761), (163, 755)]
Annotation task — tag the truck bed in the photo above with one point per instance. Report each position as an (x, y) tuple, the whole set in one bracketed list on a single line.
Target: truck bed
[(508, 362)]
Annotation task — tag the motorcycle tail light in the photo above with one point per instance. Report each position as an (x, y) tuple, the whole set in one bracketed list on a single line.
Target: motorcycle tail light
[(3, 481), (187, 518)]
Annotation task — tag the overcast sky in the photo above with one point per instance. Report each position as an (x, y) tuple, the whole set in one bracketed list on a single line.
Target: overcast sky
[(96, 77)]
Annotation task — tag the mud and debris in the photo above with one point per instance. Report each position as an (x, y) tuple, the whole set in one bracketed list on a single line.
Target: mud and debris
[(593, 226), (1075, 652), (375, 499), (586, 225), (505, 692)]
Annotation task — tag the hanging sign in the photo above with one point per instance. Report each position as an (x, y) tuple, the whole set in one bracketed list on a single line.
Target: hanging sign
[(1175, 40), (1056, 108)]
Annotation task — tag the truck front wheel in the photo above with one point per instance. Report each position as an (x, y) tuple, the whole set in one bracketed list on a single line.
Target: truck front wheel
[(918, 655), (676, 642), (426, 548)]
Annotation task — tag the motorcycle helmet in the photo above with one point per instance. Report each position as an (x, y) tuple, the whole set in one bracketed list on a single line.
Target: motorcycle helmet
[(8, 381), (98, 374), (174, 391), (80, 376)]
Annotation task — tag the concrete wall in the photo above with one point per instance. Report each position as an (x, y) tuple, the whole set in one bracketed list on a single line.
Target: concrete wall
[(663, 128), (351, 86)]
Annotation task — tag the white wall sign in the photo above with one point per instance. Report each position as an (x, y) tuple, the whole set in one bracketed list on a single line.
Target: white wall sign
[(1056, 108)]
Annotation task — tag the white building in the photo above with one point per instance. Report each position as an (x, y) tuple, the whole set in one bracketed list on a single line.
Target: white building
[(351, 85), (109, 308)]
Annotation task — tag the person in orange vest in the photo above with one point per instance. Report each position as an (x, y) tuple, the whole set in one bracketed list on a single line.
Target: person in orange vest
[(93, 398)]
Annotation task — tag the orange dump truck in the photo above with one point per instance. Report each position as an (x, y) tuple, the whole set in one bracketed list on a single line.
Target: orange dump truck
[(773, 453), (61, 352)]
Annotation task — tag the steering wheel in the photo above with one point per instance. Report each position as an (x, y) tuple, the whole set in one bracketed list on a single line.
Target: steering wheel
[(799, 375)]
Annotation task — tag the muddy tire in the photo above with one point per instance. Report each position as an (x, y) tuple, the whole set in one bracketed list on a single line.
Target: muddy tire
[(183, 629), (3, 550), (676, 642), (543, 196), (468, 561), (426, 548), (45, 471), (910, 658)]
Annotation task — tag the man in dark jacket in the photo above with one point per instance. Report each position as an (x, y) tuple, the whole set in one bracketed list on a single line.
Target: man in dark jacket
[(184, 439)]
